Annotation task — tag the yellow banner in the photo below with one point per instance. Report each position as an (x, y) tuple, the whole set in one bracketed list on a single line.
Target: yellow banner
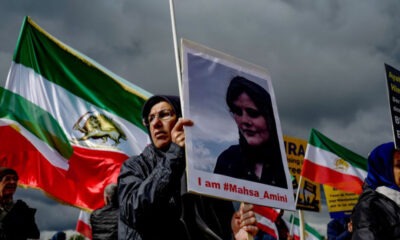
[(310, 192), (339, 201)]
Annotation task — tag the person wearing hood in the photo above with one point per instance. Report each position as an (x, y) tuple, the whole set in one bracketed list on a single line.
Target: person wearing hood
[(377, 212), (257, 157), (153, 200)]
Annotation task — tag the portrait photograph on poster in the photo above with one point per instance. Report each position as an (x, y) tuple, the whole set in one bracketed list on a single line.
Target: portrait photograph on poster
[(235, 148)]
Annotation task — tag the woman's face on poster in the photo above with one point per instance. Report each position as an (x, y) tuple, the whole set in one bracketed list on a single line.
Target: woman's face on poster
[(251, 123)]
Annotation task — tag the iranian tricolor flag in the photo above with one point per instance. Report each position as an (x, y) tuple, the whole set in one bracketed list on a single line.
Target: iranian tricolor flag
[(66, 123), (83, 225), (266, 218), (329, 163), (309, 232)]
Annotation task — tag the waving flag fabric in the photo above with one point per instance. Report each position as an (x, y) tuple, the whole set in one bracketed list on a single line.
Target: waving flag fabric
[(266, 218), (83, 225), (66, 122), (329, 163), (309, 232)]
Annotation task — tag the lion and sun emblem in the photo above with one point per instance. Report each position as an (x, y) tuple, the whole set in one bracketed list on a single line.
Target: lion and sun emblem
[(94, 125)]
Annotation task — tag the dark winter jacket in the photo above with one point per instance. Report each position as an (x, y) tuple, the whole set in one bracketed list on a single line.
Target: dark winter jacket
[(338, 229), (375, 217), (19, 223), (153, 200), (152, 205), (104, 222)]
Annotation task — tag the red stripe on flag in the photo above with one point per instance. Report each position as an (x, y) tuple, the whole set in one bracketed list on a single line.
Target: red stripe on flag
[(267, 212), (325, 175), (82, 185), (266, 218), (268, 230), (83, 225)]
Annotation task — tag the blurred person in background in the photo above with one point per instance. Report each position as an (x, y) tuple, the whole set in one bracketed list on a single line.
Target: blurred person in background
[(17, 219), (104, 221)]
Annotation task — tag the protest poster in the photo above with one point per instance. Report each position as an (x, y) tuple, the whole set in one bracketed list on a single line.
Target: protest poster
[(339, 203), (223, 147), (393, 84)]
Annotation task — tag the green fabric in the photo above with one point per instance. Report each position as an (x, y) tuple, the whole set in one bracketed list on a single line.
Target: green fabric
[(38, 121), (71, 70)]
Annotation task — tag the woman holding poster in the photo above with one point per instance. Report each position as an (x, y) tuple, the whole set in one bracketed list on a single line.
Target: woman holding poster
[(257, 157)]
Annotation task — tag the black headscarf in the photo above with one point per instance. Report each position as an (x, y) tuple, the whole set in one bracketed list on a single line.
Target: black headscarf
[(261, 99), (174, 101), (268, 153)]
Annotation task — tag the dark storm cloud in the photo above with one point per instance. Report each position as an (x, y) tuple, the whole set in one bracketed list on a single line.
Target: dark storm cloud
[(325, 59)]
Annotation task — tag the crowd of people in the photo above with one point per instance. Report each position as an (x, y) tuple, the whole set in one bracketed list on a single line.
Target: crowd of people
[(150, 199)]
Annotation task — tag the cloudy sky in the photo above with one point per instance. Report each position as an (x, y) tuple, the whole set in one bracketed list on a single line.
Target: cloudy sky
[(326, 58)]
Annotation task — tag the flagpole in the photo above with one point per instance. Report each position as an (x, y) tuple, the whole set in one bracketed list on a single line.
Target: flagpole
[(301, 215), (297, 198), (176, 50), (291, 227), (301, 225)]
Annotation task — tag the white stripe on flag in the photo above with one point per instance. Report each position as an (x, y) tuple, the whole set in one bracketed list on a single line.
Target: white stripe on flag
[(83, 224), (328, 159), (270, 225), (35, 86)]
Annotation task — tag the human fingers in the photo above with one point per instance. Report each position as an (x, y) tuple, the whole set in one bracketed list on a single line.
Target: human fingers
[(235, 223), (178, 137), (186, 122), (245, 207), (182, 122), (248, 221), (178, 133), (246, 211), (241, 235), (350, 227), (251, 229)]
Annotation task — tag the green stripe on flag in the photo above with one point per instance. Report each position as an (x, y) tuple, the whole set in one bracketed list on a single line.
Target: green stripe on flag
[(36, 120), (307, 227), (313, 232), (69, 69), (317, 139)]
